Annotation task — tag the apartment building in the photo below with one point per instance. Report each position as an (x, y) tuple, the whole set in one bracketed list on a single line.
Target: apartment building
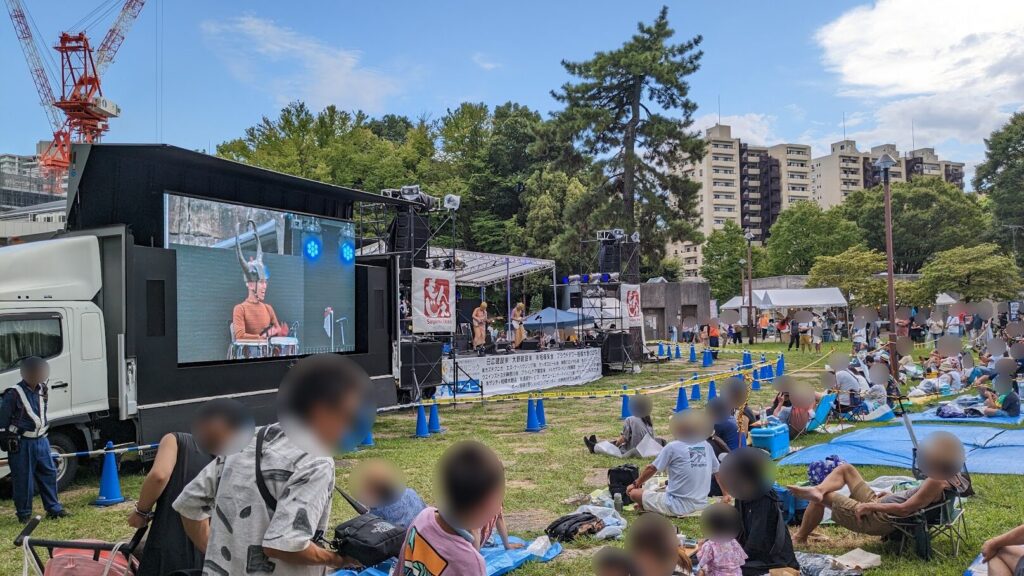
[(846, 169), (749, 185)]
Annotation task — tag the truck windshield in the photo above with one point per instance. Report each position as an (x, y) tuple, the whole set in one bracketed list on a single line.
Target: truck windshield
[(24, 336)]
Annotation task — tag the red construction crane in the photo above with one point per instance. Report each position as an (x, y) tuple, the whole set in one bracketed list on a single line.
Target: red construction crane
[(86, 110)]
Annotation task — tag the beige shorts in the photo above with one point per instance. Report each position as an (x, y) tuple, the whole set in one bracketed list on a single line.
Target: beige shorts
[(658, 501), (844, 512)]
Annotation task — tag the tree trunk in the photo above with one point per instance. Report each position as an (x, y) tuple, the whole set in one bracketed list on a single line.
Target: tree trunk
[(629, 160)]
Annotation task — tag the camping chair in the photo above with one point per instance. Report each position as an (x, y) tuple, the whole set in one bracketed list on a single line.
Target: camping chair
[(944, 519), (821, 414)]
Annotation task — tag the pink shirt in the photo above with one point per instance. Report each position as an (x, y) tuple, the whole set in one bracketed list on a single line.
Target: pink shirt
[(431, 551), (721, 558)]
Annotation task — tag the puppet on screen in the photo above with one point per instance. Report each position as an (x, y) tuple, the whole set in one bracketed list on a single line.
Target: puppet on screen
[(254, 318)]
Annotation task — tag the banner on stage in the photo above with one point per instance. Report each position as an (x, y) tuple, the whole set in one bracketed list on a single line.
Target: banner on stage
[(527, 371), (433, 300), (632, 312)]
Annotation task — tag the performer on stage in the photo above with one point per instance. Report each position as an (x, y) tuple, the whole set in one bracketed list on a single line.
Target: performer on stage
[(254, 319), (518, 317), (480, 325)]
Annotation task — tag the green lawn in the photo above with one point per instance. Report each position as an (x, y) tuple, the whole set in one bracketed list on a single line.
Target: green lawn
[(545, 468)]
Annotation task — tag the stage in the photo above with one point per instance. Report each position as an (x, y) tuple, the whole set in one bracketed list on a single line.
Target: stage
[(521, 371)]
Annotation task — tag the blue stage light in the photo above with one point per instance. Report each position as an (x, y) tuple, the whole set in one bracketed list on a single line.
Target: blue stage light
[(348, 252), (585, 278), (565, 279), (606, 277), (312, 247)]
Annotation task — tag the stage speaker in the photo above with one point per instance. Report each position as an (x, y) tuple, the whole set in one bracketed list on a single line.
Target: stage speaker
[(614, 347), (530, 345), (408, 234), (464, 310), (609, 257), (421, 364), (463, 342), (575, 300)]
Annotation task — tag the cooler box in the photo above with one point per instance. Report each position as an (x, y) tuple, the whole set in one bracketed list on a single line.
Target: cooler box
[(773, 439), (792, 507)]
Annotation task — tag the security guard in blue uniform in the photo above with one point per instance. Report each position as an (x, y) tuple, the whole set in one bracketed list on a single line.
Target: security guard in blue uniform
[(23, 417)]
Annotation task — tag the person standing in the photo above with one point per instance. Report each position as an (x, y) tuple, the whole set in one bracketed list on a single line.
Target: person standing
[(518, 318), (936, 328), (480, 325), (23, 412), (179, 459), (794, 335)]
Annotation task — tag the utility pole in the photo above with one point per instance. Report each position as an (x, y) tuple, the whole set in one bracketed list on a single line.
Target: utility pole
[(884, 163), (750, 287)]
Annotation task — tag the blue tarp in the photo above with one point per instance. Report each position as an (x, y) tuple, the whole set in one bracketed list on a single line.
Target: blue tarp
[(499, 561), (989, 450), (931, 416), (547, 317)]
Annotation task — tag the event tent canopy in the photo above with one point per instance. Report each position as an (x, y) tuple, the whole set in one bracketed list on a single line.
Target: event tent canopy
[(791, 298), (549, 317)]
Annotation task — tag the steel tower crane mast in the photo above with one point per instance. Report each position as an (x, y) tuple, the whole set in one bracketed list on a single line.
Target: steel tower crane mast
[(86, 110)]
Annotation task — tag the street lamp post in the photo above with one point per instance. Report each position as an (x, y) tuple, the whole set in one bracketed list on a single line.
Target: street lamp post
[(884, 163), (750, 287)]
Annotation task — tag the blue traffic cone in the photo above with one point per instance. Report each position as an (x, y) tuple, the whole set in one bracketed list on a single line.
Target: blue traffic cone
[(661, 349), (368, 439), (695, 392), (434, 424), (781, 366), (681, 403), (532, 425), (746, 359), (625, 413), (693, 353), (541, 418), (768, 371), (110, 484), (679, 353), (755, 384), (711, 390), (706, 358), (421, 423)]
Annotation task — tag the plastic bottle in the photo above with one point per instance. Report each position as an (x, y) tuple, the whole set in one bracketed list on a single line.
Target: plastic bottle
[(618, 503)]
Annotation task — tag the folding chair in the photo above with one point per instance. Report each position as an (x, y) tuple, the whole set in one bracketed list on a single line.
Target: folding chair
[(944, 519), (821, 414)]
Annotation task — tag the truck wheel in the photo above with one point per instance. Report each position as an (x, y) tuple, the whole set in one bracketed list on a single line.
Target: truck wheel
[(67, 468)]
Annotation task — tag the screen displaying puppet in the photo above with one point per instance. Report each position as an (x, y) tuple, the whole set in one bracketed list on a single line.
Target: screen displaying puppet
[(256, 283)]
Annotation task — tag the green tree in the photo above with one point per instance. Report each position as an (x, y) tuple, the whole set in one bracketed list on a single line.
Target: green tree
[(391, 127), (803, 232), (854, 271), (1001, 178), (630, 109), (722, 255), (928, 216), (975, 273)]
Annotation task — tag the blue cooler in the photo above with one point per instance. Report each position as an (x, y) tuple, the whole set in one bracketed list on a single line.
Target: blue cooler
[(792, 507), (773, 438)]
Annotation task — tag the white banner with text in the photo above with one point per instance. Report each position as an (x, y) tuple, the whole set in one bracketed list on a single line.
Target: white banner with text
[(433, 300), (523, 371)]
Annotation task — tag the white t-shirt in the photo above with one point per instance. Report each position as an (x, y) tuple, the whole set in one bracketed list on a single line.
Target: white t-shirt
[(848, 382), (690, 467)]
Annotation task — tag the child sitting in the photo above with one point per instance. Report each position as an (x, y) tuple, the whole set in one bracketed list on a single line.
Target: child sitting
[(654, 547), (690, 462), (379, 486), (610, 561), (720, 554), (442, 541), (638, 425), (496, 523)]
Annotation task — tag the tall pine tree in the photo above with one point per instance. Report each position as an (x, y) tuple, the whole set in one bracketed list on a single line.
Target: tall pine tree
[(630, 109)]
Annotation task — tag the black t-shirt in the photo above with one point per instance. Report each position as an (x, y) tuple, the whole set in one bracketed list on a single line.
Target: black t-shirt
[(1011, 404)]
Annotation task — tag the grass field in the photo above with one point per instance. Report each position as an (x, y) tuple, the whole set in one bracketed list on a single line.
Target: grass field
[(545, 468)]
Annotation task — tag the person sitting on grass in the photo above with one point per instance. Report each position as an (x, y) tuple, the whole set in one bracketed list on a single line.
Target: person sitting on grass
[(612, 561), (720, 554), (1003, 401), (638, 425), (379, 486), (690, 462), (654, 548), (864, 511), (443, 541), (724, 422), (1004, 554)]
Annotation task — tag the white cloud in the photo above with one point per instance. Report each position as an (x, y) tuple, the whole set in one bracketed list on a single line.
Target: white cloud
[(940, 74), (292, 66), (485, 63), (757, 129)]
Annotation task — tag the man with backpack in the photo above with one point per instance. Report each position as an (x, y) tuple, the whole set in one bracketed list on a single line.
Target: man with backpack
[(264, 510)]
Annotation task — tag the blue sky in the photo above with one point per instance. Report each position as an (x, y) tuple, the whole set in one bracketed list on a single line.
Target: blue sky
[(784, 70)]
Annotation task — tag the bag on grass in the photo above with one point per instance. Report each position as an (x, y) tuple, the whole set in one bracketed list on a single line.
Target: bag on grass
[(619, 479), (568, 527), (818, 470)]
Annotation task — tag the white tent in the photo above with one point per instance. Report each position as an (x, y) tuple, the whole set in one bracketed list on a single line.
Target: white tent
[(944, 299), (783, 298)]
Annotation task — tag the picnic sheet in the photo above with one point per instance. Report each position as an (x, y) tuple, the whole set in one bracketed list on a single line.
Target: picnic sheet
[(499, 561), (989, 450), (931, 415)]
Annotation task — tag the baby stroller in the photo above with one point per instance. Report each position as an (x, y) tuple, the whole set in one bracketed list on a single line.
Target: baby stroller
[(77, 557)]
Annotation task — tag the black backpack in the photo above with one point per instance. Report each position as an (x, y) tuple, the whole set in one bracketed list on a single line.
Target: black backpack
[(619, 479), (365, 538), (568, 527)]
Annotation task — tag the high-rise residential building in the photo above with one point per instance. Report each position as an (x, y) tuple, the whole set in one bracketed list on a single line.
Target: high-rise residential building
[(846, 169), (749, 185)]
